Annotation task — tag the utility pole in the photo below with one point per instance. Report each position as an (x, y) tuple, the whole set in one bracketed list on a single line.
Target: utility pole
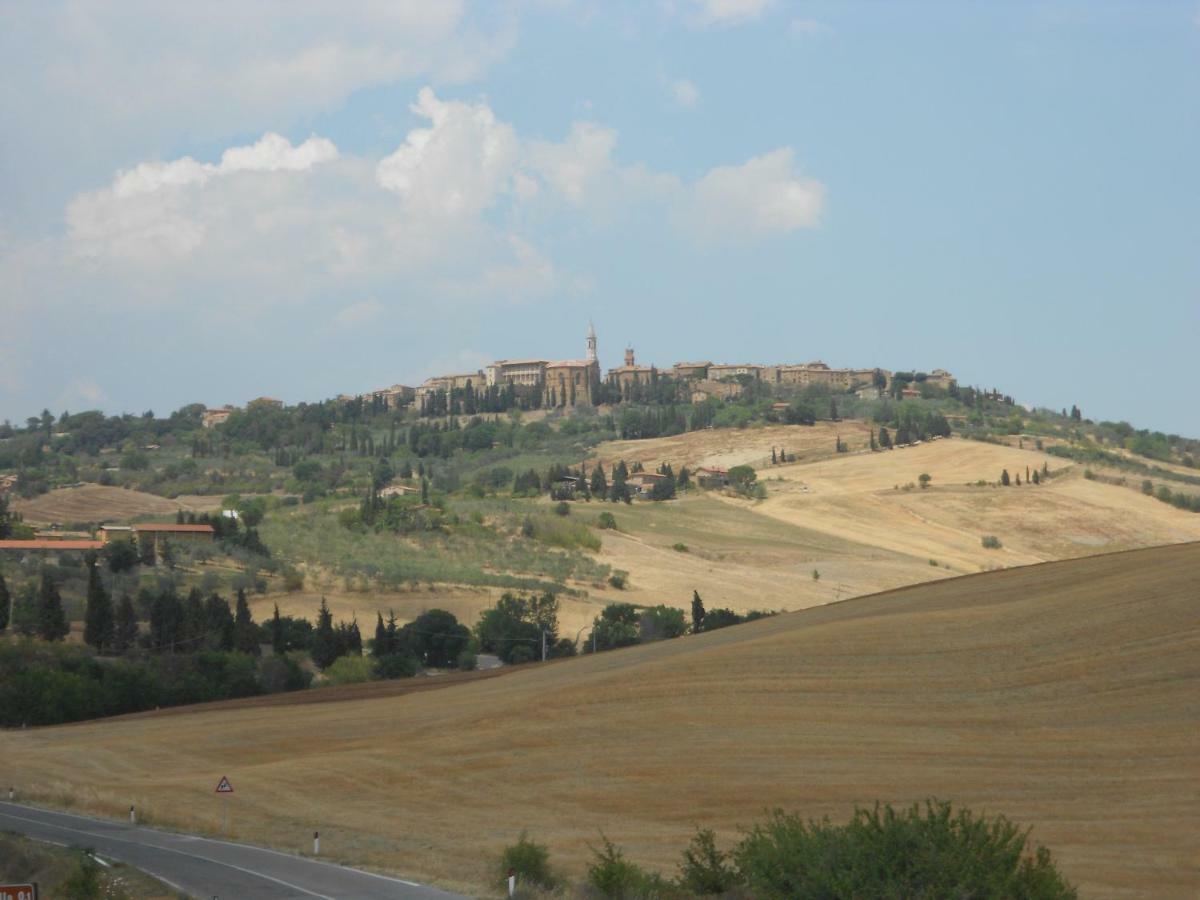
[(543, 645)]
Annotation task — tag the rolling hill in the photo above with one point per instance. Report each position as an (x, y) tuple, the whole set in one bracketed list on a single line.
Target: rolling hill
[(1064, 695)]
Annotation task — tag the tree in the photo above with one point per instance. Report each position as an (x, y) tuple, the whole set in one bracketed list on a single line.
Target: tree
[(380, 646), (125, 634), (121, 555), (599, 483), (925, 478), (436, 638), (98, 621), (660, 623), (5, 602), (277, 636), (220, 627), (1004, 479), (774, 458), (885, 439), (1037, 479), (52, 622), (245, 632), (742, 478), (833, 410), (697, 613), (146, 554), (616, 626), (324, 643), (620, 490)]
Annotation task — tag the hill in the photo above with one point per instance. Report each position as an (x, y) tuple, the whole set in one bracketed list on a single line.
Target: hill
[(104, 503), (1063, 695)]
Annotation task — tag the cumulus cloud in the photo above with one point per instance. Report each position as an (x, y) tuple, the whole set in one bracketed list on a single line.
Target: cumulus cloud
[(573, 166), (685, 93), (763, 196), (457, 166), (727, 12)]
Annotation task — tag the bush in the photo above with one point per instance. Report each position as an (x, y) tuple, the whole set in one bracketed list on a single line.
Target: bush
[(349, 670), (617, 580), (562, 508), (933, 852), (990, 542), (395, 665), (467, 661), (614, 876), (680, 547), (529, 861), (607, 521), (705, 869)]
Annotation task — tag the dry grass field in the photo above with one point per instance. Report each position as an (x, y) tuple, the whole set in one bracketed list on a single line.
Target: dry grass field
[(101, 503), (849, 517), (1064, 695)]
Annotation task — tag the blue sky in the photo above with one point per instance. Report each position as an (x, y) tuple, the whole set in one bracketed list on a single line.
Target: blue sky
[(212, 202)]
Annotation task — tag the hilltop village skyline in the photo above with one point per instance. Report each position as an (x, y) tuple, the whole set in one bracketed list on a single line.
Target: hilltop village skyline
[(568, 383)]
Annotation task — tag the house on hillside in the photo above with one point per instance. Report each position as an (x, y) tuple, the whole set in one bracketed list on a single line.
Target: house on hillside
[(47, 550), (643, 483), (708, 477), (160, 533)]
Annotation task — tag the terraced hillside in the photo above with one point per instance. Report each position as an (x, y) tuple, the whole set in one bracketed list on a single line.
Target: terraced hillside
[(1064, 695)]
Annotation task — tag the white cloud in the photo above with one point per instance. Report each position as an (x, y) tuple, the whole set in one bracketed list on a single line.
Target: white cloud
[(685, 93), (357, 314), (573, 166), (81, 393), (763, 196), (457, 166), (727, 12)]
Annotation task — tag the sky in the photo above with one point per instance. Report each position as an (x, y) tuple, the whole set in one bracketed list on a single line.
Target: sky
[(209, 202)]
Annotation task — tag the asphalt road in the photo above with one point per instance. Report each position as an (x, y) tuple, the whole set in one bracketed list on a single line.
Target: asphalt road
[(207, 868)]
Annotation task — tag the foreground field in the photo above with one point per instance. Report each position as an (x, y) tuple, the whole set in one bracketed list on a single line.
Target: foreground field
[(1063, 695)]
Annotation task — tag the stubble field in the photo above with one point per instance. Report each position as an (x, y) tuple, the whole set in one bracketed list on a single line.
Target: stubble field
[(1063, 695)]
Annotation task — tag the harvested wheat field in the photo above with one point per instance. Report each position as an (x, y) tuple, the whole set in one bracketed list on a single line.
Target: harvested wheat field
[(1065, 695), (103, 503)]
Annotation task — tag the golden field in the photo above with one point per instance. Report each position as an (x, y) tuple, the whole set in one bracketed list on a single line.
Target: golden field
[(103, 503), (1065, 695)]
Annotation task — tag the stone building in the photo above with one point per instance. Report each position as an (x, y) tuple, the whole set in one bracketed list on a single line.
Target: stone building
[(689, 371), (626, 376), (573, 382), (717, 372), (835, 379)]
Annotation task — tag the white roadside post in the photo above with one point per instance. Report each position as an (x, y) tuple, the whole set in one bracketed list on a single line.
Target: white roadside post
[(12, 792), (512, 882), (316, 843), (132, 815)]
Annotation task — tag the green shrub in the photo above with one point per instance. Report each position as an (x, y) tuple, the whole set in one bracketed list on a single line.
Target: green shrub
[(607, 521), (84, 881), (933, 562), (705, 869), (394, 665), (467, 661), (562, 508), (617, 580), (349, 670), (529, 861), (680, 547), (990, 542), (611, 875), (1147, 486), (934, 852)]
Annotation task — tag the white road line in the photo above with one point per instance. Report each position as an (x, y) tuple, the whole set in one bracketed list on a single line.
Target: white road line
[(280, 881)]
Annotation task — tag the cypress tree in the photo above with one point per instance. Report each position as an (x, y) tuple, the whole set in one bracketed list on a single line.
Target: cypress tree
[(354, 638), (380, 645), (1004, 479), (125, 634), (5, 602), (599, 482), (219, 621), (245, 632), (277, 639), (98, 617), (697, 613), (324, 642), (885, 439), (52, 622)]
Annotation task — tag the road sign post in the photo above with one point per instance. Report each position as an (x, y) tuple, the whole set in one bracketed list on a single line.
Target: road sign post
[(19, 891), (224, 788)]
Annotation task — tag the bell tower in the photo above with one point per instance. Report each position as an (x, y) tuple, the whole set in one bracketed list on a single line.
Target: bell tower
[(591, 343), (629, 357)]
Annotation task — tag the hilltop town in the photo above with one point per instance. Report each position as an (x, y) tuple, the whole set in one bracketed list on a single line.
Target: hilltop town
[(534, 383)]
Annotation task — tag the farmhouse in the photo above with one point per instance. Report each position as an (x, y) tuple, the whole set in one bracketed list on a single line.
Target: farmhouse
[(46, 549), (161, 533), (712, 478), (211, 418), (643, 482)]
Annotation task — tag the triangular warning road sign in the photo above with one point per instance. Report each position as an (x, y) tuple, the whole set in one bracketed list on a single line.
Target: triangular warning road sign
[(223, 786)]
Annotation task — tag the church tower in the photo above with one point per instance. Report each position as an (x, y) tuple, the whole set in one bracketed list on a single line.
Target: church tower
[(591, 343)]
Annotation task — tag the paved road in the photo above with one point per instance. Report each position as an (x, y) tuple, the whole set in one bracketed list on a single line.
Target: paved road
[(206, 868)]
